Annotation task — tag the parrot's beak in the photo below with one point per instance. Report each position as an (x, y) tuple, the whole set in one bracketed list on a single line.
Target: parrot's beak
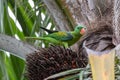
[(82, 31)]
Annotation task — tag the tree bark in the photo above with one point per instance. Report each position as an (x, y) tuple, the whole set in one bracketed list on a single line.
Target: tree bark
[(116, 22), (15, 46)]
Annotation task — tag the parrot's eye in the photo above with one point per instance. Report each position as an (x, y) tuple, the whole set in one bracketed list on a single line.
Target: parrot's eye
[(78, 28)]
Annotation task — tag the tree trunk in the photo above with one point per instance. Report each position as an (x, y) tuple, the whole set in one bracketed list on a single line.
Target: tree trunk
[(116, 26), (116, 22)]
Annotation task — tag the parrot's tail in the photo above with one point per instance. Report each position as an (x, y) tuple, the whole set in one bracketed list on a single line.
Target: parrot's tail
[(49, 39), (35, 38)]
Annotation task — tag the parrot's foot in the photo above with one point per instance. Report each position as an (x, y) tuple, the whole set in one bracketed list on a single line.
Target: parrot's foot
[(65, 45)]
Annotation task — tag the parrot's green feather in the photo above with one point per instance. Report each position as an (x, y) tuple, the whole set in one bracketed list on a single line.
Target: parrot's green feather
[(63, 38)]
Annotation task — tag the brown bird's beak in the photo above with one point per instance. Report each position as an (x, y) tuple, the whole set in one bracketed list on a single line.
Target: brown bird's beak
[(82, 31)]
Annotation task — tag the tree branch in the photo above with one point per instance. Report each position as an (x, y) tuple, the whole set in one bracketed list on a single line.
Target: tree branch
[(57, 15), (15, 46)]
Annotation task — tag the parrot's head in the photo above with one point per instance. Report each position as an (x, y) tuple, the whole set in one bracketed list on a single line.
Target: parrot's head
[(80, 29)]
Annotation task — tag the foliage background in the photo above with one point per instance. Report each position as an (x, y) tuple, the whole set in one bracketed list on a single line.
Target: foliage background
[(18, 18)]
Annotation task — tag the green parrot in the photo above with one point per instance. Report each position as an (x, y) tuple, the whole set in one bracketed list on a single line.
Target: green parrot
[(63, 38)]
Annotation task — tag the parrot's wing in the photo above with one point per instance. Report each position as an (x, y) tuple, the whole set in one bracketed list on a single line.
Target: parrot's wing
[(62, 36)]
